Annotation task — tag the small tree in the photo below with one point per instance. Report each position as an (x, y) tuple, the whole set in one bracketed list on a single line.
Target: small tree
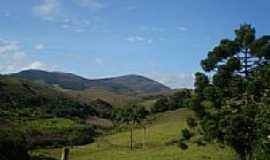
[(161, 105), (133, 115), (178, 99), (186, 135), (191, 122)]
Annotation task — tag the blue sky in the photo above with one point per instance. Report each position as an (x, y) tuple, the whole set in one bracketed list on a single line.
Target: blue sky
[(163, 40)]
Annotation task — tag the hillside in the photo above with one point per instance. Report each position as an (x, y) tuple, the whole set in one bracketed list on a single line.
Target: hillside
[(129, 84), (32, 99), (162, 130), (49, 116)]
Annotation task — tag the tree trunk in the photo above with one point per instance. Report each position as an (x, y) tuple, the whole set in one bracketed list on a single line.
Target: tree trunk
[(246, 62), (144, 135), (246, 156), (65, 154), (131, 138)]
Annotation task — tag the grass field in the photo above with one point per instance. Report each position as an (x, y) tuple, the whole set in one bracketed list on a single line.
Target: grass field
[(161, 130), (117, 100)]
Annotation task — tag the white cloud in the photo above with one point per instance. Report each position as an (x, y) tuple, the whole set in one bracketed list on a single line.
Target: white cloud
[(174, 80), (54, 11), (91, 4), (39, 46), (138, 39), (36, 65), (7, 47), (99, 61), (47, 9), (14, 59), (181, 28)]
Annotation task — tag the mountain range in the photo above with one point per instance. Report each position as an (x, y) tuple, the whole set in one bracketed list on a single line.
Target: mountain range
[(128, 84)]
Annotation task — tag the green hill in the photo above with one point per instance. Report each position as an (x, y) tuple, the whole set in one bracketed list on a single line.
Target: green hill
[(26, 99), (46, 116), (162, 131), (129, 84)]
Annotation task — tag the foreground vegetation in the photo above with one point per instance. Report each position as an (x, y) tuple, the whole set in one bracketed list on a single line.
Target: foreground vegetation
[(163, 132), (41, 116), (233, 105)]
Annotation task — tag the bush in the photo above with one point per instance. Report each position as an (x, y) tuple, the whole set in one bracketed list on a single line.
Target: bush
[(80, 136), (186, 135), (191, 122), (200, 142), (182, 145), (161, 105), (56, 132), (13, 145)]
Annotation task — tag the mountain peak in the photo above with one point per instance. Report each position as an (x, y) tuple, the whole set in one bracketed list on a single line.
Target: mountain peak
[(131, 83)]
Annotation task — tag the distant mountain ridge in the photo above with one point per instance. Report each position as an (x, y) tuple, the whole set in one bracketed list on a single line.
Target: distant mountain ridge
[(133, 84)]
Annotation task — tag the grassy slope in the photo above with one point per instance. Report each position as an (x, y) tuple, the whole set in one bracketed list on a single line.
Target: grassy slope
[(50, 124), (117, 100), (161, 130)]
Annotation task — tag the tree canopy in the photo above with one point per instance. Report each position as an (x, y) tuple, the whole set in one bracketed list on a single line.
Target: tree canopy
[(233, 102)]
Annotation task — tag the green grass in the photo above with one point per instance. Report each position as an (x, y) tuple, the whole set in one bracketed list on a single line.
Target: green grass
[(58, 132), (50, 124), (148, 104), (116, 99), (161, 129)]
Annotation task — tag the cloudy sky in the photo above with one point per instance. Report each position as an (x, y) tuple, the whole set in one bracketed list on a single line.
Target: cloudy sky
[(161, 39)]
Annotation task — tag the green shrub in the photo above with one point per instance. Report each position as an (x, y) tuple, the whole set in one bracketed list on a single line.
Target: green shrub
[(12, 145), (56, 132), (161, 105), (191, 122), (186, 135), (182, 145)]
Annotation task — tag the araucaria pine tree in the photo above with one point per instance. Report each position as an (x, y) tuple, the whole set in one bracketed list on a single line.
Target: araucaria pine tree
[(233, 103)]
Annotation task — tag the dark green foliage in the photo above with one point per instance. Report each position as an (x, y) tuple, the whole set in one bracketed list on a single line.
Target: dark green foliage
[(29, 99), (41, 157), (179, 99), (13, 145), (80, 135), (161, 105), (130, 114), (182, 145), (262, 150), (201, 81), (195, 104), (191, 122), (30, 106), (175, 101), (75, 135), (200, 142), (233, 108), (185, 134), (103, 108)]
